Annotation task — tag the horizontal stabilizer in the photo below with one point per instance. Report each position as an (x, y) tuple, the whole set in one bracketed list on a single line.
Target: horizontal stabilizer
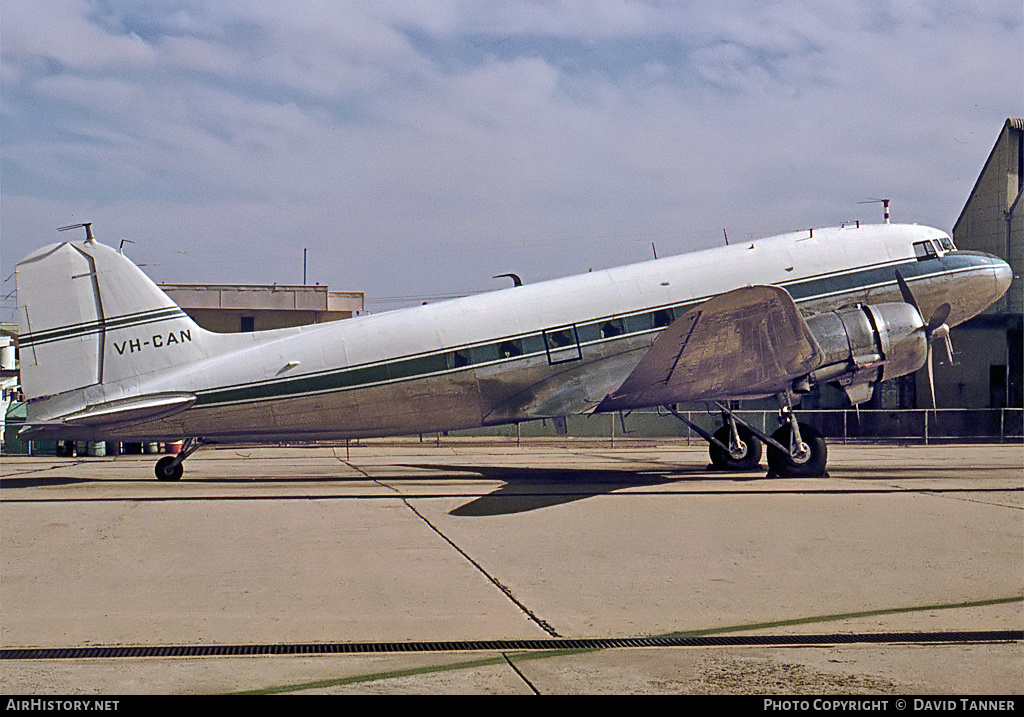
[(744, 343), (131, 409)]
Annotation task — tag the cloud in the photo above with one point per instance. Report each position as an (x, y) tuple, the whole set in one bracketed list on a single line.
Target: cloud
[(421, 147)]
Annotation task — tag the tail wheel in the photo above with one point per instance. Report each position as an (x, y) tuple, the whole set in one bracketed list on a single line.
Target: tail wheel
[(747, 458), (169, 468), (807, 462)]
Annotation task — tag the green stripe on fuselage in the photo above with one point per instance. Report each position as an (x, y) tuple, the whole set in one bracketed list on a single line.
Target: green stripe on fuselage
[(871, 277), (423, 365)]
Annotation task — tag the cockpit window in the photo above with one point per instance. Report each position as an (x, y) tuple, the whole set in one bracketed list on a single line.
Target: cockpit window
[(924, 250), (947, 243)]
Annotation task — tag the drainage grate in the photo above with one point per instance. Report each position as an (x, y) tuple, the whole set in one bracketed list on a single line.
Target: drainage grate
[(330, 648)]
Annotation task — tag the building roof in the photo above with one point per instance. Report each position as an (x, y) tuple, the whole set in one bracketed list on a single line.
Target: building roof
[(1016, 123), (272, 297)]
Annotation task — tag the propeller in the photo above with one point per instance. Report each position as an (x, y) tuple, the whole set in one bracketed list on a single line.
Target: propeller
[(935, 328)]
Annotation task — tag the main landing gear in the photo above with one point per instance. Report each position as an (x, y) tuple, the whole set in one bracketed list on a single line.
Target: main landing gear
[(170, 467), (795, 450)]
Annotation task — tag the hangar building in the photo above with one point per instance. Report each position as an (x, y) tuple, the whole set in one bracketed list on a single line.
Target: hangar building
[(988, 348), (231, 308)]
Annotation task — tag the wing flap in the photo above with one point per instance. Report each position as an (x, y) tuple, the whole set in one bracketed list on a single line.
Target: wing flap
[(747, 342)]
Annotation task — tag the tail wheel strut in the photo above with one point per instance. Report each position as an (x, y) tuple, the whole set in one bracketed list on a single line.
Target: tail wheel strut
[(170, 467)]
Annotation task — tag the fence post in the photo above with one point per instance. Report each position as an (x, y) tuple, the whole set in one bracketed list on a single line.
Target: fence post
[(926, 426)]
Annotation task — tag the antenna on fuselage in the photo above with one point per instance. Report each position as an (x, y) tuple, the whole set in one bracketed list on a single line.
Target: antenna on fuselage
[(89, 238), (516, 281), (885, 206)]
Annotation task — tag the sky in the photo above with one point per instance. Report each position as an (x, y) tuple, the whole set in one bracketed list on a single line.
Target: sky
[(414, 149)]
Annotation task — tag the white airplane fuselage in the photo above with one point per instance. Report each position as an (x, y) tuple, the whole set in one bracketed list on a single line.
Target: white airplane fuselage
[(547, 349)]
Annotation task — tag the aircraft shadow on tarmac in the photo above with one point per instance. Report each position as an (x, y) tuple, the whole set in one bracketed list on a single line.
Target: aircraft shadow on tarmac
[(527, 489), (9, 482)]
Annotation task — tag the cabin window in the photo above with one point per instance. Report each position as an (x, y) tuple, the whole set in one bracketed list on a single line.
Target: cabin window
[(925, 250), (640, 322), (589, 332), (483, 354), (611, 328), (532, 344), (663, 317), (562, 344), (248, 323), (560, 338), (510, 349)]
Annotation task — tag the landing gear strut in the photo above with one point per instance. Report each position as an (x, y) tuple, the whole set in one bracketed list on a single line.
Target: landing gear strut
[(806, 456), (170, 467), (742, 450), (795, 450), (736, 446)]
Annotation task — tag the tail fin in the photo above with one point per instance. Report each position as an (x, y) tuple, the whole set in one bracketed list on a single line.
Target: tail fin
[(87, 315)]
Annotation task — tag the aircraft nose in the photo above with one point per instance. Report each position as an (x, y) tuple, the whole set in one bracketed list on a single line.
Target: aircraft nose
[(1003, 276)]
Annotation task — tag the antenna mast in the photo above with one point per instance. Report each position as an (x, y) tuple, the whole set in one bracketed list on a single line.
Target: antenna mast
[(885, 206), (89, 238)]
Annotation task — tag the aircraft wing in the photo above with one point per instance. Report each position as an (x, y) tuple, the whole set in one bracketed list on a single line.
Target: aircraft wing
[(743, 343)]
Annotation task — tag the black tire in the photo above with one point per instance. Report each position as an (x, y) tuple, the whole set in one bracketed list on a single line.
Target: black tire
[(783, 465), (721, 459), (167, 469)]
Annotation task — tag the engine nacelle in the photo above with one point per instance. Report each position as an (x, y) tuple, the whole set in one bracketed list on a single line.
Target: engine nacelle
[(865, 345)]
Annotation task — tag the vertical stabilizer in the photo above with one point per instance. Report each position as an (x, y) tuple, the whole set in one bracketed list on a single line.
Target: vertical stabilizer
[(87, 315)]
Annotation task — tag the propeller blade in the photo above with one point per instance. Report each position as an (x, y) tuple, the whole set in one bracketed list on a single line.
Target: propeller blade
[(941, 331), (938, 319), (937, 323), (935, 328), (931, 377), (905, 292)]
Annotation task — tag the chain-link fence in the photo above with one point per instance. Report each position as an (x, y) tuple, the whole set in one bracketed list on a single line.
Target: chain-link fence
[(947, 425), (925, 426)]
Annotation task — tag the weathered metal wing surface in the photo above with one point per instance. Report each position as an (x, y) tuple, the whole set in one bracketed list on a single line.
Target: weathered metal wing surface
[(747, 342)]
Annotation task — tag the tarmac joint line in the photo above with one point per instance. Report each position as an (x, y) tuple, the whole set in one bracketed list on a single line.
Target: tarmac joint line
[(542, 624)]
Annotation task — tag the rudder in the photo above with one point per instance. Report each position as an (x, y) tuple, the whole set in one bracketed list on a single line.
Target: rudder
[(87, 315)]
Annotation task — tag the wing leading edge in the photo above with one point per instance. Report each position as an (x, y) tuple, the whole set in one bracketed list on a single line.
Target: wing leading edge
[(743, 343)]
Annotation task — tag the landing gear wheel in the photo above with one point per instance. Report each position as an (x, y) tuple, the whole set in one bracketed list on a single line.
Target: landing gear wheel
[(809, 461), (746, 460), (169, 468)]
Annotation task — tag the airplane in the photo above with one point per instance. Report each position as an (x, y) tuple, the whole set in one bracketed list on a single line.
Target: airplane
[(107, 355)]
